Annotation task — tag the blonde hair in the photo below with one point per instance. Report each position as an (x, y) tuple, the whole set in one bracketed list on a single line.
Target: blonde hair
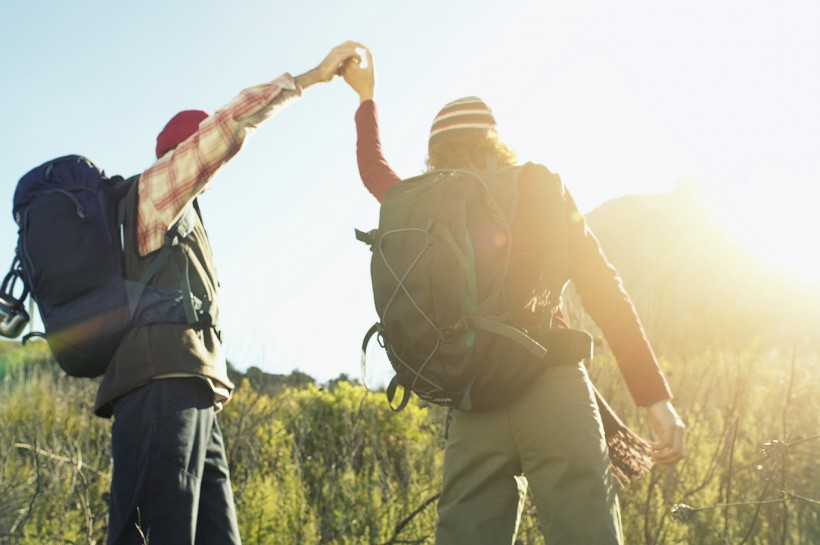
[(470, 149)]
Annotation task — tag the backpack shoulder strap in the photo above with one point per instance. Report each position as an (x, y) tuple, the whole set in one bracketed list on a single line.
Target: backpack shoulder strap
[(195, 204), (186, 223), (547, 222), (125, 193), (122, 191)]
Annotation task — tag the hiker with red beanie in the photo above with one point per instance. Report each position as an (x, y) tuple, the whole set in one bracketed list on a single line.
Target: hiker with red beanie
[(167, 381), (557, 432)]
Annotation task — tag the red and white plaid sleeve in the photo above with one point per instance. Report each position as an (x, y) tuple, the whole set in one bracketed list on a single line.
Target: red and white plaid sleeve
[(174, 181)]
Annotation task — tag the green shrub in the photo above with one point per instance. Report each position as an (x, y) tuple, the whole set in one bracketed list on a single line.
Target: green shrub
[(334, 465)]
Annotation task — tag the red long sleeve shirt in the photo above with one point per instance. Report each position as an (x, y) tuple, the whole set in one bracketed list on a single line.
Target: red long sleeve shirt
[(596, 280)]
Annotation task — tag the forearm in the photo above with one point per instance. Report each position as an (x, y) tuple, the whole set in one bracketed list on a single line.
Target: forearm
[(631, 349), (308, 79), (374, 170), (365, 95)]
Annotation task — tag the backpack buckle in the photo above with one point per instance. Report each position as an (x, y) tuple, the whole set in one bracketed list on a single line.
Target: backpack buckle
[(449, 333), (368, 238)]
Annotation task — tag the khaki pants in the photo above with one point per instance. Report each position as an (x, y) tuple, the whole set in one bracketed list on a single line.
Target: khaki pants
[(552, 435)]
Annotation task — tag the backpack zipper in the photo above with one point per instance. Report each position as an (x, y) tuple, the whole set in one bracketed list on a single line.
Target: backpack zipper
[(24, 246)]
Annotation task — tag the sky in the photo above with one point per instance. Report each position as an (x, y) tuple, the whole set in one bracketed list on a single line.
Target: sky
[(620, 98)]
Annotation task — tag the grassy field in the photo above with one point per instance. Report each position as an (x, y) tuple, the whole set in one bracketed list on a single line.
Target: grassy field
[(332, 464)]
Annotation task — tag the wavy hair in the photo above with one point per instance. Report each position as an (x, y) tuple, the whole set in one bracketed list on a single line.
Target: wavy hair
[(470, 149)]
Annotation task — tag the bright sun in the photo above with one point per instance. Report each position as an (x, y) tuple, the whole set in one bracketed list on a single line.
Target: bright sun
[(781, 224)]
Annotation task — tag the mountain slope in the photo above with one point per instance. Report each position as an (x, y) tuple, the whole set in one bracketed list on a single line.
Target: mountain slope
[(691, 276)]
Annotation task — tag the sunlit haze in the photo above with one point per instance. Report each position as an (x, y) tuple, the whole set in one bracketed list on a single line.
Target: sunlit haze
[(779, 222)]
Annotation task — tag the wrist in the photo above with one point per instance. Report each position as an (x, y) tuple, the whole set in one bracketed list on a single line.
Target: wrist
[(664, 410), (658, 407), (308, 79), (365, 96)]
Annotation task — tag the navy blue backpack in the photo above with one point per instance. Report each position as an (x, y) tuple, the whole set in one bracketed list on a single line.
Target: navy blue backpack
[(70, 258)]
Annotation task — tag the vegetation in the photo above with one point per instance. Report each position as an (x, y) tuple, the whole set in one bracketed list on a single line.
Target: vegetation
[(334, 465)]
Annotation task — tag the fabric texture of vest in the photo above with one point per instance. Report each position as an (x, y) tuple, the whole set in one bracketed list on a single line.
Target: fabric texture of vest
[(160, 349)]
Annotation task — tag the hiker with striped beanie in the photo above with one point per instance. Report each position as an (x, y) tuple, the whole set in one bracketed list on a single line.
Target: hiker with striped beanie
[(557, 432), (464, 134), (462, 115)]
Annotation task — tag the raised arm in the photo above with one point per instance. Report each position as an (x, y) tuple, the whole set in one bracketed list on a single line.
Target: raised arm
[(169, 185), (374, 170)]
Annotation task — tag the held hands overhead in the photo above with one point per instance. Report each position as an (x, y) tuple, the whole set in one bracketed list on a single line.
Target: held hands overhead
[(339, 57), (359, 74)]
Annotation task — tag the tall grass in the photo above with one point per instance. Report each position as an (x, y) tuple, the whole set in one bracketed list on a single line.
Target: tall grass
[(334, 465)]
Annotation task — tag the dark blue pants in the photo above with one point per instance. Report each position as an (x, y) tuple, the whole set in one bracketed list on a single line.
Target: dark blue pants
[(171, 475)]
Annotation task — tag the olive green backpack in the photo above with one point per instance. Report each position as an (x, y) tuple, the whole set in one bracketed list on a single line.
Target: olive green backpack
[(467, 268)]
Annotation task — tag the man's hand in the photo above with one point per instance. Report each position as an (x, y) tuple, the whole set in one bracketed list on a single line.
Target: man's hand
[(360, 76), (331, 65), (670, 433)]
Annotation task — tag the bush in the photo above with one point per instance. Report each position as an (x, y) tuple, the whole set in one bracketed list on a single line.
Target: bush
[(334, 465)]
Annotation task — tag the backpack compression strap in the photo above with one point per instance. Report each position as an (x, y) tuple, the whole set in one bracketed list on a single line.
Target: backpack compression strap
[(500, 328), (482, 322), (197, 311)]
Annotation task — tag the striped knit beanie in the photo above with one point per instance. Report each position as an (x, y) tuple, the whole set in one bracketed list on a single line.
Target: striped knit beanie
[(464, 114)]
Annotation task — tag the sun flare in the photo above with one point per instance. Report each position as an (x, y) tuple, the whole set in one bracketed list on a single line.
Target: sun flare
[(780, 225)]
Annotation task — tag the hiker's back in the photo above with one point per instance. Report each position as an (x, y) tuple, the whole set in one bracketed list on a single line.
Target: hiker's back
[(77, 255), (463, 262), (166, 347)]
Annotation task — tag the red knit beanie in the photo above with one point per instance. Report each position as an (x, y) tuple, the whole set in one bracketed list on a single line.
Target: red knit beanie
[(178, 129)]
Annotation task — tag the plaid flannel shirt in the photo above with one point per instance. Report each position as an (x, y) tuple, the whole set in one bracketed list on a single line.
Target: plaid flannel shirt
[(169, 186)]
